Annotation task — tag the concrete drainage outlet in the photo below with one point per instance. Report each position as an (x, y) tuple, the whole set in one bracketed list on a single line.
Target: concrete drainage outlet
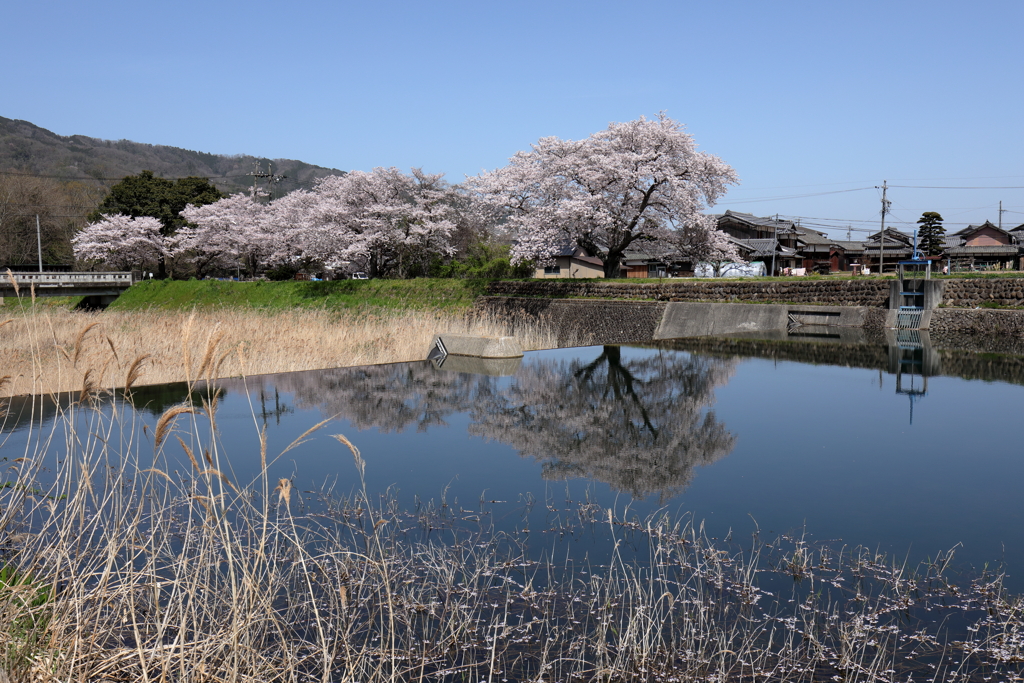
[(475, 346)]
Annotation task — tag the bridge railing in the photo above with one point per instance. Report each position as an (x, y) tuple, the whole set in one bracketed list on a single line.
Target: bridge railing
[(115, 279)]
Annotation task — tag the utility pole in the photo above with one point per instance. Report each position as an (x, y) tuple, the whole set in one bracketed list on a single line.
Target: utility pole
[(775, 243), (1000, 214), (269, 176), (881, 240), (39, 243)]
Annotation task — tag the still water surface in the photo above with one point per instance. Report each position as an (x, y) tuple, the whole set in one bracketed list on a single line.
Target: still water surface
[(739, 443)]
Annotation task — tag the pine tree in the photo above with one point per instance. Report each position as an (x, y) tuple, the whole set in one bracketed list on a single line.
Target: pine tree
[(930, 234)]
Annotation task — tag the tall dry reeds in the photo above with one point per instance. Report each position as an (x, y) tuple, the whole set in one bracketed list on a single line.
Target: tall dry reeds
[(54, 350), (117, 567)]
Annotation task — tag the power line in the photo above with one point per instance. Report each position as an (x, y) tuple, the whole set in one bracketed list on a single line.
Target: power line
[(795, 196), (50, 206), (65, 177), (49, 215), (950, 187)]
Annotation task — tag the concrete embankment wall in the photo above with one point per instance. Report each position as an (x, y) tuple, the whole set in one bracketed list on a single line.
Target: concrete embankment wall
[(830, 292), (958, 293), (580, 322)]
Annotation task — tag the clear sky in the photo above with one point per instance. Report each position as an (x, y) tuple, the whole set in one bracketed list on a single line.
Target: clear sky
[(801, 98)]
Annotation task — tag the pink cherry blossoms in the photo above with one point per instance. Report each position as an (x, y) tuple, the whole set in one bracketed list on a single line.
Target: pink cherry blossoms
[(224, 234), (629, 186), (121, 242), (388, 219), (385, 220), (639, 186)]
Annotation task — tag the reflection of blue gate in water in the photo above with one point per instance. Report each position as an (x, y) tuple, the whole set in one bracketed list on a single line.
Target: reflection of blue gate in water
[(911, 378)]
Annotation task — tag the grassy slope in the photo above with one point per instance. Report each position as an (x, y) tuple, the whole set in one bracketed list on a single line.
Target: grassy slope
[(365, 295), (421, 293)]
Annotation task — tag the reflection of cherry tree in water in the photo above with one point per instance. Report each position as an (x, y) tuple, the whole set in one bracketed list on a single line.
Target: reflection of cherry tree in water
[(390, 398), (638, 425)]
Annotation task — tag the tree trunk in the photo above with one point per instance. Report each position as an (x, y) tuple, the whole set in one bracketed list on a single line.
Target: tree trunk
[(612, 267)]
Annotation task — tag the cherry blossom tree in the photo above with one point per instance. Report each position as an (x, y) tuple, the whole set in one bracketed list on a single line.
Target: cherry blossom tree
[(121, 242), (629, 185), (393, 221), (223, 234), (289, 227)]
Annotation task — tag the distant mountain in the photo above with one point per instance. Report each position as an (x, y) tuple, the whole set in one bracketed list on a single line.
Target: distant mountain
[(28, 148)]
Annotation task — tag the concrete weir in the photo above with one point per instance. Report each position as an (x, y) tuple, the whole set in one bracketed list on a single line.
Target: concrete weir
[(478, 346), (476, 354)]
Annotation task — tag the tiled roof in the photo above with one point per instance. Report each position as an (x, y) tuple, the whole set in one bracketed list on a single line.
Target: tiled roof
[(755, 220), (762, 247), (635, 257), (992, 249), (891, 235), (593, 260), (890, 251), (812, 237)]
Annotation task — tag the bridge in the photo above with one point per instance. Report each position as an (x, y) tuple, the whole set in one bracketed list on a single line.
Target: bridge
[(99, 288)]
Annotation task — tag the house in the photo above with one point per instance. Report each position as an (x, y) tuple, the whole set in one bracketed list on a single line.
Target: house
[(762, 239), (896, 246), (746, 226), (641, 264), (1018, 234), (983, 246), (572, 262)]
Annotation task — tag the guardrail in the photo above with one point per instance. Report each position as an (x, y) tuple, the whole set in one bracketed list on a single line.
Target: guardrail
[(68, 280)]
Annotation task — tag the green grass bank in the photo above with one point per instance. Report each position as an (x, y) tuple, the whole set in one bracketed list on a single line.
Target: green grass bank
[(418, 294)]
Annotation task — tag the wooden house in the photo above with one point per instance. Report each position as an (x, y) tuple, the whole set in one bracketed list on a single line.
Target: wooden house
[(983, 246)]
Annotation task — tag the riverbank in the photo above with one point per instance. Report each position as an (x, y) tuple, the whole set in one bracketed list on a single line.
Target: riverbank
[(335, 295), (47, 349)]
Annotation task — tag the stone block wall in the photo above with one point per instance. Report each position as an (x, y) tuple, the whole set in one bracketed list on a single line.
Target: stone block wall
[(979, 322), (971, 292), (827, 292)]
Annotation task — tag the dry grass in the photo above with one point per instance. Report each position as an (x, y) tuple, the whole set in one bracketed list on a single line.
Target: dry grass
[(46, 351), (119, 568)]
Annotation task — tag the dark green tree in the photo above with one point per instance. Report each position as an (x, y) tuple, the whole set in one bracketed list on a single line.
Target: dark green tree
[(147, 195), (930, 234)]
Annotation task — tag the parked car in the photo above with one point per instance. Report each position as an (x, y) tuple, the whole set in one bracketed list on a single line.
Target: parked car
[(360, 276)]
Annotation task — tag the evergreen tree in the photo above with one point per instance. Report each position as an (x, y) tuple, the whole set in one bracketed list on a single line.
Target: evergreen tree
[(930, 234), (148, 195)]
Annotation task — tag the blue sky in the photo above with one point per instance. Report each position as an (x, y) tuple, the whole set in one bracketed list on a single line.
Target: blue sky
[(801, 98)]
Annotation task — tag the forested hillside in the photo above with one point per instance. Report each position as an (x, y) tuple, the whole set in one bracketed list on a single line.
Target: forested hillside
[(63, 179), (30, 149)]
